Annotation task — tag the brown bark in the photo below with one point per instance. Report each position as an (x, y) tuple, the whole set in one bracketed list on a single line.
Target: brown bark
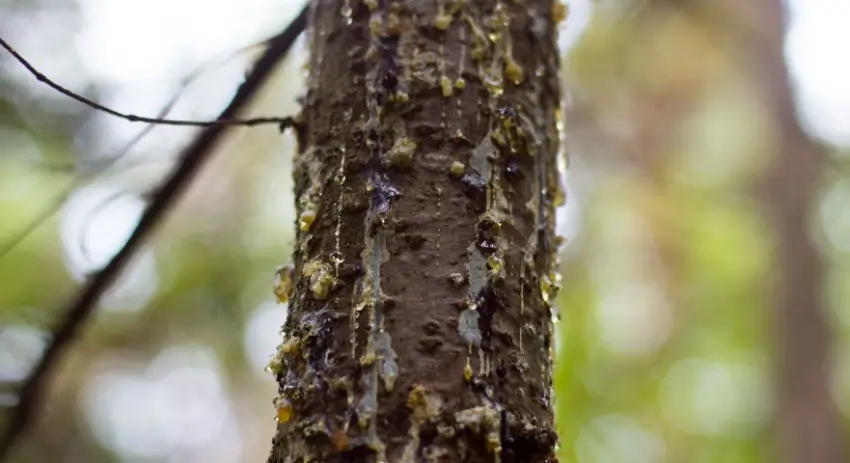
[(420, 326)]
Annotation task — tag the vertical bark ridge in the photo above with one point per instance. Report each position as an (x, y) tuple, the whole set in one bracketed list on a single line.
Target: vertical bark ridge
[(420, 325)]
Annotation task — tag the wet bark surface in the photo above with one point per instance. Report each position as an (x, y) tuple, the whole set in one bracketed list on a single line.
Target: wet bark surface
[(420, 327)]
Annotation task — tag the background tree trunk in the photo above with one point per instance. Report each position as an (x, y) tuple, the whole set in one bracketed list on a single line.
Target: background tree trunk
[(808, 422), (420, 325)]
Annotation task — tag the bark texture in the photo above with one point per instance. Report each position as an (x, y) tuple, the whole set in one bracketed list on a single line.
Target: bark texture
[(420, 327)]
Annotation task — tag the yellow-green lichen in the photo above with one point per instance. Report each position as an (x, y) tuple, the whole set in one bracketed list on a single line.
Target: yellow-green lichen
[(484, 419), (442, 21), (368, 358), (495, 263), (425, 407), (291, 346), (549, 286), (376, 24), (460, 84), (446, 86), (275, 365), (321, 278), (401, 154)]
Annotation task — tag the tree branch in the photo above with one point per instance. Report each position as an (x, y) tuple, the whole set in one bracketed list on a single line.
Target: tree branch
[(100, 165), (283, 121), (81, 306)]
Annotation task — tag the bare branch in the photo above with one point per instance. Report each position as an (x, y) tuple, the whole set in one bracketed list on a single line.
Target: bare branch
[(282, 121), (80, 307), (98, 166)]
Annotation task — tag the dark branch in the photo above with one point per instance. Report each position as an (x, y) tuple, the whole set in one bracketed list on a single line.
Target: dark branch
[(282, 121), (80, 307), (99, 166)]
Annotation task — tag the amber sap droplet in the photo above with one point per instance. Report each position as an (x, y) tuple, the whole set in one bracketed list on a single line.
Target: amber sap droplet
[(284, 409), (340, 440), (559, 119), (442, 21), (467, 371), (560, 197), (283, 283), (457, 168), (275, 365), (545, 289), (368, 358), (559, 11), (393, 25), (513, 71), (307, 218)]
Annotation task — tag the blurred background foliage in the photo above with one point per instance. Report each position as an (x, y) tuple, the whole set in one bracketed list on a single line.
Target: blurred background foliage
[(666, 350)]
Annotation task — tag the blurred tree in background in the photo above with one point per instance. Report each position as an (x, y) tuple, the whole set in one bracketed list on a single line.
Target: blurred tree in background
[(705, 315)]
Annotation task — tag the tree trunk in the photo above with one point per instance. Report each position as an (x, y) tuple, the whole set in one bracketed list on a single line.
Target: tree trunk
[(808, 422), (419, 326)]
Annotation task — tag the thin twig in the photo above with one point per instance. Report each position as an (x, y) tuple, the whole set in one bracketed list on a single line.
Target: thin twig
[(81, 306), (100, 165), (132, 117)]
